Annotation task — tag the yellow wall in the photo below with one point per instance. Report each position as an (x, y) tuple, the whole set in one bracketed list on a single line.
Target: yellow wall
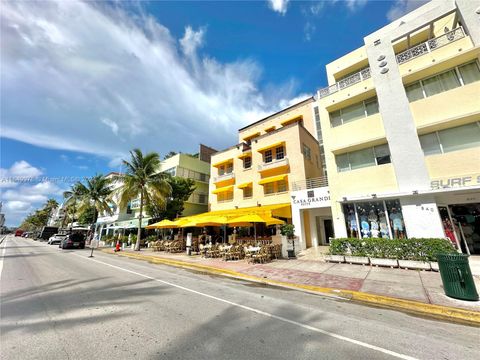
[(354, 60), (456, 163)]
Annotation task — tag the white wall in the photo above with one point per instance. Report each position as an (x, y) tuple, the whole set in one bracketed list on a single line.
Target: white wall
[(421, 217)]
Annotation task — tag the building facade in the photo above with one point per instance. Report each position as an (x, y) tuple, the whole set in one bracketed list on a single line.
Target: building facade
[(399, 128)]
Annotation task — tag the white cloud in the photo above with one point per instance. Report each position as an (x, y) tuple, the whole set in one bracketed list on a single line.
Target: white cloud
[(309, 30), (84, 76), (279, 6), (20, 169), (402, 7)]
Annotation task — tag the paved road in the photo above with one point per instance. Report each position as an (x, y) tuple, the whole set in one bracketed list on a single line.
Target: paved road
[(62, 305)]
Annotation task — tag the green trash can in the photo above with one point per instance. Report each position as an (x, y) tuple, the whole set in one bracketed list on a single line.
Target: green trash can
[(457, 278)]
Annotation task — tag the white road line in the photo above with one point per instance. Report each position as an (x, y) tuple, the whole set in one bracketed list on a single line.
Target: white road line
[(260, 312), (4, 248)]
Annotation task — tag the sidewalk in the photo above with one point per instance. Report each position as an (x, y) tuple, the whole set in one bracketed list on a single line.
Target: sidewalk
[(364, 283)]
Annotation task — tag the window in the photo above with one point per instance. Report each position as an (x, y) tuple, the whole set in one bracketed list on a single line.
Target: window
[(247, 192), (225, 196), (450, 79), (202, 198), (170, 171), (307, 152), (229, 169), (267, 156), (203, 177), (470, 73), (269, 188), (377, 155), (354, 112), (279, 153), (457, 138), (281, 186), (247, 162)]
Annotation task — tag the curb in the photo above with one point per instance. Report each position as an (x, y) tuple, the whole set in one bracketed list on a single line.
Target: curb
[(447, 313)]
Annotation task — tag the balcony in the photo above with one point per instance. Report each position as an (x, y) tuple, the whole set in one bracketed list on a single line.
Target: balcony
[(273, 165), (312, 183), (346, 82), (224, 177), (430, 45)]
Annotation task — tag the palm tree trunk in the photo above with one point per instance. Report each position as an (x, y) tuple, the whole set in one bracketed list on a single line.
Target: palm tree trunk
[(139, 232)]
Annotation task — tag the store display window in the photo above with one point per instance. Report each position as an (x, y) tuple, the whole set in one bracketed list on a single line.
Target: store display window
[(375, 219)]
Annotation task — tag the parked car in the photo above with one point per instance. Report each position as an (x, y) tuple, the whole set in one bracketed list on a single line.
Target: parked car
[(75, 240), (18, 232), (56, 239)]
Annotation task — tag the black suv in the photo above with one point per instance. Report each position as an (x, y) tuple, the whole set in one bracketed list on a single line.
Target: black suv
[(75, 240)]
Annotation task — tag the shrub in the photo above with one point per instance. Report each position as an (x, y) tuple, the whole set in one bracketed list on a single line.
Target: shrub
[(401, 249), (288, 230)]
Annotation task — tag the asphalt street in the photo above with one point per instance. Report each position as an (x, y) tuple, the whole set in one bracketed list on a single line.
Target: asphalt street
[(61, 304)]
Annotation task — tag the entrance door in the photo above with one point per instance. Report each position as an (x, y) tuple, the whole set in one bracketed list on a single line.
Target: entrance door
[(466, 218), (328, 226)]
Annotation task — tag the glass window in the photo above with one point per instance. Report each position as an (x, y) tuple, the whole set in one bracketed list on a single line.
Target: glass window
[(449, 80), (395, 216), (372, 219), (342, 162), (461, 137), (371, 106), (203, 177), (432, 86), (229, 168), (382, 154), (353, 112), (268, 188), (221, 170), (430, 144), (470, 73), (350, 220), (267, 156), (336, 118), (307, 152), (281, 186), (361, 158), (414, 92), (279, 153), (202, 198), (247, 192), (247, 162)]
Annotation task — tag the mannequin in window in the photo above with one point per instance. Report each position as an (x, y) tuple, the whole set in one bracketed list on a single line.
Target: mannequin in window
[(383, 225), (352, 223), (364, 224), (397, 223), (373, 218)]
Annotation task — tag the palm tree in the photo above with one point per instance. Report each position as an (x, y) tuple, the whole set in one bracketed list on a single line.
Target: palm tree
[(143, 179), (72, 197), (96, 192)]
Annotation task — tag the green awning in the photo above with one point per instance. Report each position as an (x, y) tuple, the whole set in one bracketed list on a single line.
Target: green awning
[(130, 224)]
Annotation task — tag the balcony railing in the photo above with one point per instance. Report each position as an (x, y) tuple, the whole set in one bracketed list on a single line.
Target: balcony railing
[(346, 82), (310, 183), (430, 45), (273, 164), (224, 177)]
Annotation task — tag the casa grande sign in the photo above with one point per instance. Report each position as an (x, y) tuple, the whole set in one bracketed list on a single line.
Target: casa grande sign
[(314, 198)]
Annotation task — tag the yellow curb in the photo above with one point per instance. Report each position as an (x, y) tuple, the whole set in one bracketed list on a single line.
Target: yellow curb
[(431, 310)]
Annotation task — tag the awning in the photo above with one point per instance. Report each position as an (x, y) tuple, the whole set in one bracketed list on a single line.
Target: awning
[(223, 162), (130, 224), (251, 136), (223, 189), (292, 120), (244, 185), (271, 146), (272, 179), (245, 154)]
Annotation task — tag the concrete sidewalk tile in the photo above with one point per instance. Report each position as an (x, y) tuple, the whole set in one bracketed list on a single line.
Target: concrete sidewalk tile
[(347, 270), (313, 266), (403, 291), (431, 279), (400, 276), (437, 296)]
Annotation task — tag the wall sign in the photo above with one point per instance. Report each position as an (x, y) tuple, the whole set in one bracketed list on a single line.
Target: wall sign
[(455, 182), (312, 198)]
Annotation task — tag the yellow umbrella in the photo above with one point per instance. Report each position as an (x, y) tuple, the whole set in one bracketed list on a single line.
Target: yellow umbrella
[(212, 221), (164, 224), (273, 221), (249, 218)]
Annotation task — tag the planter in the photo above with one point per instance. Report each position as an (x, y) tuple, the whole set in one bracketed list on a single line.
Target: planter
[(364, 260), (384, 262), (335, 258), (413, 264), (434, 266), (291, 254)]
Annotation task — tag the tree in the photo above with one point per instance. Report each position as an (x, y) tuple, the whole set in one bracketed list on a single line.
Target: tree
[(87, 215), (181, 190), (39, 218), (143, 180), (72, 198), (169, 155), (95, 193)]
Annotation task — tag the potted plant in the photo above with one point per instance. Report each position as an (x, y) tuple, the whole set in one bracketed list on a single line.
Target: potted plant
[(412, 255), (384, 252), (337, 250), (288, 230), (357, 252)]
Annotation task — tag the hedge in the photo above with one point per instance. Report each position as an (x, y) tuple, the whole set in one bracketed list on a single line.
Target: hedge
[(401, 249)]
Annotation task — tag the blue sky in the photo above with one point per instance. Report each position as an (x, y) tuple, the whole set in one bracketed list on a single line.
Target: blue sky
[(85, 82)]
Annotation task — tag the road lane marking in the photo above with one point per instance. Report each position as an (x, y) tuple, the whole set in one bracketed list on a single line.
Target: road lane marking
[(4, 248), (261, 312)]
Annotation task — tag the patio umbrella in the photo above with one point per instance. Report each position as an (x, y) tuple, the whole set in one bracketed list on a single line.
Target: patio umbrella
[(249, 218), (164, 224), (273, 221)]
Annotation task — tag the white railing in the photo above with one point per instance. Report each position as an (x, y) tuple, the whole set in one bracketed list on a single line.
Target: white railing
[(430, 45), (224, 177), (273, 164), (310, 183), (346, 82)]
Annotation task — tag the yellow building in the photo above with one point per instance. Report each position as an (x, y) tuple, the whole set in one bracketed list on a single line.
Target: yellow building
[(399, 126), (271, 155)]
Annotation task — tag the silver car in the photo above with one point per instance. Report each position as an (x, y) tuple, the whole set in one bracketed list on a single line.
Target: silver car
[(56, 239)]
